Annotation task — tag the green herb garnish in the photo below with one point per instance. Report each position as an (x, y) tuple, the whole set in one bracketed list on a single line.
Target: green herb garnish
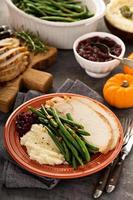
[(126, 12), (33, 42)]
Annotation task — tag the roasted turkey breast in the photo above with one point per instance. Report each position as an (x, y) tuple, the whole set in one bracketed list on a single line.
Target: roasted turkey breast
[(104, 131), (14, 59)]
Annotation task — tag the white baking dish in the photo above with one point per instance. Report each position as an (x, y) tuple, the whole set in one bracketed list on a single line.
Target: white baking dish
[(59, 34)]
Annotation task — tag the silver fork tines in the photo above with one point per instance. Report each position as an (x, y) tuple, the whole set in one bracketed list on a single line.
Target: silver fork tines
[(128, 130)]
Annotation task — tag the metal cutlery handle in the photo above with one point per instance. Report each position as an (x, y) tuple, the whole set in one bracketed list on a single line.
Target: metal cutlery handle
[(106, 49), (104, 179), (124, 61), (5, 34), (4, 28), (114, 176), (102, 182), (128, 62), (111, 177), (116, 57)]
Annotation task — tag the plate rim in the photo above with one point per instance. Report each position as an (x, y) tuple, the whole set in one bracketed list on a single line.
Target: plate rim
[(83, 173)]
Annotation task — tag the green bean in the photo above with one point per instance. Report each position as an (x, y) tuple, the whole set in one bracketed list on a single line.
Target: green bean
[(77, 8), (92, 147), (72, 123), (55, 10), (33, 110), (36, 9), (60, 7), (49, 8), (74, 15), (56, 18), (83, 132), (80, 131), (43, 120), (52, 129), (92, 151), (49, 125), (64, 131), (69, 116), (67, 152), (90, 15), (72, 148), (65, 120), (80, 142), (52, 121), (43, 115), (74, 163), (50, 11), (54, 138)]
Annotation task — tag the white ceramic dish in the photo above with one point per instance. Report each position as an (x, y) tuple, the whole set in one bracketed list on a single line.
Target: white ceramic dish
[(98, 69), (59, 34)]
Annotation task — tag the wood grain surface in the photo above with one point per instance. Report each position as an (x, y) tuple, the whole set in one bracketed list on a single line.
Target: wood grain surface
[(32, 78)]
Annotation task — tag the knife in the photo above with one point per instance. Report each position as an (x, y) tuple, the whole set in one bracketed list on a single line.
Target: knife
[(111, 174), (115, 174), (6, 34), (4, 28)]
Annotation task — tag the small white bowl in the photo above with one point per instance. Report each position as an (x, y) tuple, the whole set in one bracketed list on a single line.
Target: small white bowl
[(98, 69)]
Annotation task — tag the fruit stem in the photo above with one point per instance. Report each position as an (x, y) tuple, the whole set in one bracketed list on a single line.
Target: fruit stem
[(125, 84)]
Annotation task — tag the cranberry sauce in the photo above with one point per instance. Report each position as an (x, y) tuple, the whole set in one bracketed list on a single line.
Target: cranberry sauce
[(24, 122), (87, 49)]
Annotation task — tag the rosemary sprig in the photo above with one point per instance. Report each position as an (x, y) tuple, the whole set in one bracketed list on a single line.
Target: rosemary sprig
[(33, 42)]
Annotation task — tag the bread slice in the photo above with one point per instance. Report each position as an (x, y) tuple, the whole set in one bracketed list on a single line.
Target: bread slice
[(93, 121)]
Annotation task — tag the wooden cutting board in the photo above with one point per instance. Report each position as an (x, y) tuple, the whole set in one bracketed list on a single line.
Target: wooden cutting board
[(33, 78)]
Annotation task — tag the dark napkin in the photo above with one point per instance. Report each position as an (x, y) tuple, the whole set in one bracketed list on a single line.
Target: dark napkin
[(12, 174)]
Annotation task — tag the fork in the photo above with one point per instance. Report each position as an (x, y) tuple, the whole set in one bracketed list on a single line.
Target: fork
[(110, 177)]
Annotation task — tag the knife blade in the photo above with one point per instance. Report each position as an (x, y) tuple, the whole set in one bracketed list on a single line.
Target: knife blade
[(115, 174)]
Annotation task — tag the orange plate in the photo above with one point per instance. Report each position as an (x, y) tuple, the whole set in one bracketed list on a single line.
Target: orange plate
[(18, 153)]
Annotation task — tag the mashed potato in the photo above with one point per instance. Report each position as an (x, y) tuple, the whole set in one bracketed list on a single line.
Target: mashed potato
[(40, 146), (115, 17)]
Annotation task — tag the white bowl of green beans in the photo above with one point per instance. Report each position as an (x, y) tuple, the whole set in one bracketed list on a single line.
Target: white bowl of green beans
[(59, 22)]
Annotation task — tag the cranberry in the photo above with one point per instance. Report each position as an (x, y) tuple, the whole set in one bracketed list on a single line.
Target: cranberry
[(95, 50), (24, 122), (92, 58), (107, 41), (89, 51), (95, 39)]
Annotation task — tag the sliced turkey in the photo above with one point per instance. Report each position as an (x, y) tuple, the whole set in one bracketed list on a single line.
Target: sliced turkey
[(98, 122)]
